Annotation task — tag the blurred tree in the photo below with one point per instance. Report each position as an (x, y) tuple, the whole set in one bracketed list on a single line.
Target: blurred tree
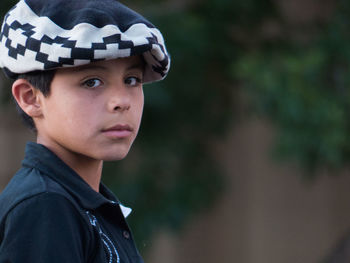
[(302, 86)]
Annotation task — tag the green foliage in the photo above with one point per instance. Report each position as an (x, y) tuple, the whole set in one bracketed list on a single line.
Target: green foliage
[(304, 90), (294, 91)]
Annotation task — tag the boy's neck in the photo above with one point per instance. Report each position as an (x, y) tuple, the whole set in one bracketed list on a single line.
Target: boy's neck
[(90, 170)]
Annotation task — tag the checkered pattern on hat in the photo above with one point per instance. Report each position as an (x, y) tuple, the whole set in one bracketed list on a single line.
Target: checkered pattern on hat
[(33, 38)]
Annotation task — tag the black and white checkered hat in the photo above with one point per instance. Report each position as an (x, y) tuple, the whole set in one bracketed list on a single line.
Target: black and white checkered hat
[(49, 34)]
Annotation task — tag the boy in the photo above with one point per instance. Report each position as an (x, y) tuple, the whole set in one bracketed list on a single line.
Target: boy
[(79, 67)]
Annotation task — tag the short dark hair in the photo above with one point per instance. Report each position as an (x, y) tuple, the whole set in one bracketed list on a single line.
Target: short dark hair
[(40, 80)]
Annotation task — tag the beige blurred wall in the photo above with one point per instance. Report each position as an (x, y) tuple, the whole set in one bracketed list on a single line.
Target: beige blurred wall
[(267, 213)]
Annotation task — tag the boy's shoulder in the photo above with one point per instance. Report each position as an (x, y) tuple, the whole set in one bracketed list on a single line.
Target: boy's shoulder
[(28, 184), (36, 211)]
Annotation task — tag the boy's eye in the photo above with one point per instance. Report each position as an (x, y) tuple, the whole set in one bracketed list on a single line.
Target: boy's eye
[(133, 81), (92, 83)]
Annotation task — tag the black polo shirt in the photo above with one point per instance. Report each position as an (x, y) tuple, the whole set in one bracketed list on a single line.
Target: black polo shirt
[(49, 214)]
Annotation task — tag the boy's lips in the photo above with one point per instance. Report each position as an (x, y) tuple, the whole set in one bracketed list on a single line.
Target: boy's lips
[(118, 131)]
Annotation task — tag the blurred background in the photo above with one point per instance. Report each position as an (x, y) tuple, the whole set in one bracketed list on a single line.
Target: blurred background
[(243, 154)]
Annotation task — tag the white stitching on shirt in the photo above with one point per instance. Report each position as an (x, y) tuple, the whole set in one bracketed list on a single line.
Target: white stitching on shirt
[(109, 250), (105, 239)]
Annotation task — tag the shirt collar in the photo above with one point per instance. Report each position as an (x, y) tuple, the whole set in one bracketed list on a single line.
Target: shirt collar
[(39, 157)]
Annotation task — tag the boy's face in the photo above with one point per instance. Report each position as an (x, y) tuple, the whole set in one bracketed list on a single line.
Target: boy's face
[(93, 110)]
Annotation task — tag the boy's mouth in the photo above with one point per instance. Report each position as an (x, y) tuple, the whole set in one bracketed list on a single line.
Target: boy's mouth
[(118, 131)]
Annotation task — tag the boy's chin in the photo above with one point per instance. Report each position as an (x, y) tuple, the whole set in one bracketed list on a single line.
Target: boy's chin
[(111, 152), (115, 156)]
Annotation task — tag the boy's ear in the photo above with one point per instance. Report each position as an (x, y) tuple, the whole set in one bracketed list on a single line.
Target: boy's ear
[(27, 97)]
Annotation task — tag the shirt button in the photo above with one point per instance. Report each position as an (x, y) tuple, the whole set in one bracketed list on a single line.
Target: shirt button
[(126, 234)]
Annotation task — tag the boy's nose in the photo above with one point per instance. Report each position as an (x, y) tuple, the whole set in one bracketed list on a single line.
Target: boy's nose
[(119, 101)]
